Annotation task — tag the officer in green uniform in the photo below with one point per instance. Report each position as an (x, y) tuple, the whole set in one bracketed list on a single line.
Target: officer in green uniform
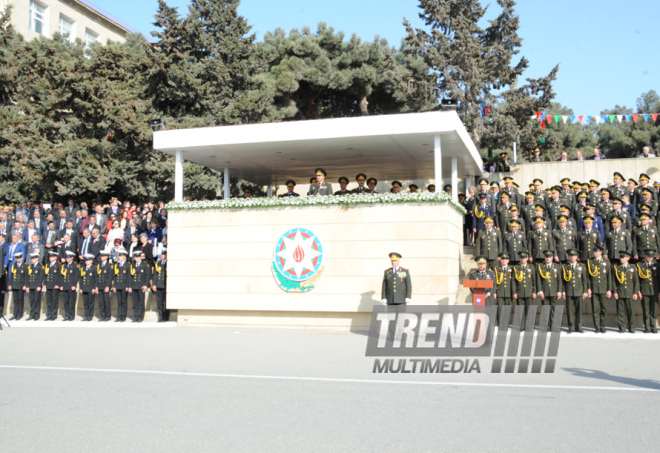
[(524, 285), (121, 284), (514, 242), (566, 195), (70, 277), (539, 240), (593, 196), (626, 291), (537, 156), (396, 187), (649, 287), (105, 273), (576, 287), (539, 211), (644, 183), (159, 286), (361, 178), (549, 283), (483, 273), (618, 240), (290, 184), (503, 285), (626, 221), (618, 189), (247, 193), (489, 242), (431, 188), (321, 187), (527, 211), (343, 182), (553, 206), (646, 197), (570, 222), (503, 214), (371, 183), (51, 285), (35, 278), (17, 275), (599, 275), (397, 288), (604, 206), (140, 278), (565, 239), (645, 237), (645, 209), (579, 207), (515, 215), (588, 239), (88, 284), (413, 188)]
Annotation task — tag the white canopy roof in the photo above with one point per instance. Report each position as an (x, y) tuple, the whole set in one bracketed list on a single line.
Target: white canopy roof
[(387, 147)]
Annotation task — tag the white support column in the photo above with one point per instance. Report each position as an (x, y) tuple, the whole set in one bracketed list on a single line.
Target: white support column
[(468, 183), (269, 191), (437, 158), (226, 181), (178, 177), (454, 178), (515, 153)]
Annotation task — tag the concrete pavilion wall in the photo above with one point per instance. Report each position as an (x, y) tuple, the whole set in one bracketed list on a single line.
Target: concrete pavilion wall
[(219, 270)]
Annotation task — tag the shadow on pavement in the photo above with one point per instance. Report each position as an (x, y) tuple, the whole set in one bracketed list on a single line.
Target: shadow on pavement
[(596, 374)]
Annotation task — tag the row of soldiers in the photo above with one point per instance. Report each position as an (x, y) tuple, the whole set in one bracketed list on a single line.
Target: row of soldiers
[(92, 281), (596, 278)]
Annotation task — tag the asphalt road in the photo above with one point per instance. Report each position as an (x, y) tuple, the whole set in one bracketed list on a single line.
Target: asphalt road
[(228, 389)]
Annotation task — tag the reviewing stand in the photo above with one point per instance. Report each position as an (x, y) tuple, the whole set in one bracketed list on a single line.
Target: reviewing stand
[(478, 288)]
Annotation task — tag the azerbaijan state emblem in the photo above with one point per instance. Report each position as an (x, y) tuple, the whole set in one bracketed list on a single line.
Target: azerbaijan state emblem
[(298, 260)]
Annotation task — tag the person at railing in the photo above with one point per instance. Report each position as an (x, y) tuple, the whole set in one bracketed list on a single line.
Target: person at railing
[(564, 157), (646, 152), (597, 155)]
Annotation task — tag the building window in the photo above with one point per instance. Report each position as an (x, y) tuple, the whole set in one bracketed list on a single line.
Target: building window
[(38, 22), (90, 37), (67, 28)]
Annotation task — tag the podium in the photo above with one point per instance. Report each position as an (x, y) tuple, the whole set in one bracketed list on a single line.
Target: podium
[(479, 290)]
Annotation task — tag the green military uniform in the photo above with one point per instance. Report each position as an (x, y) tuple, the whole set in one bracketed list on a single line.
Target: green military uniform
[(623, 215), (549, 281), (626, 284), (397, 284), (576, 286), (553, 211), (603, 209), (514, 243), (320, 188), (538, 241), (587, 241), (527, 212), (599, 275), (523, 227), (649, 286), (565, 240), (618, 241), (645, 238), (618, 191), (503, 216), (35, 278), (652, 204), (524, 286), (488, 274), (503, 287), (489, 244)]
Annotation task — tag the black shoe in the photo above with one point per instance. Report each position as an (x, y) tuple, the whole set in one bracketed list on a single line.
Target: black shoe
[(620, 330), (569, 331), (135, 320), (29, 318), (12, 318), (646, 330), (597, 330), (160, 320), (654, 330), (117, 320), (632, 330), (122, 320), (18, 318), (602, 330), (36, 319), (580, 331)]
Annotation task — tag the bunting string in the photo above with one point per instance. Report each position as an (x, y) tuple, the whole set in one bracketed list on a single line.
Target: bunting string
[(547, 118)]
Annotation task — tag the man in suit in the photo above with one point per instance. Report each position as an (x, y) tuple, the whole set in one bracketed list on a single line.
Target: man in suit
[(39, 223), (70, 209), (66, 245), (73, 234), (84, 220), (77, 220), (97, 245), (113, 208), (51, 236), (35, 246), (61, 222), (3, 274), (85, 243), (101, 219), (131, 230), (14, 248), (31, 231)]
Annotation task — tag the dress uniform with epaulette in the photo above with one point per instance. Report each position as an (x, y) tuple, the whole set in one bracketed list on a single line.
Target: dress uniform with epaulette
[(539, 240), (618, 189), (344, 191), (16, 278), (320, 188), (649, 287), (503, 212), (626, 289), (371, 183), (644, 237), (549, 283), (588, 239), (159, 286), (576, 287), (33, 283), (599, 276), (565, 239), (121, 283), (51, 285), (618, 240), (527, 211), (604, 206), (489, 242), (593, 196), (105, 273), (483, 273), (70, 276), (481, 212), (626, 221), (577, 211), (140, 278), (503, 285), (289, 193), (514, 242), (524, 284), (646, 198), (88, 284), (360, 189), (645, 209), (397, 284)]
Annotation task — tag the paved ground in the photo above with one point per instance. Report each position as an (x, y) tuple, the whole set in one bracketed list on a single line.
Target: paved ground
[(155, 389)]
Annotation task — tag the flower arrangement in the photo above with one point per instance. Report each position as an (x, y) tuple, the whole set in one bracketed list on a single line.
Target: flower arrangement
[(331, 200)]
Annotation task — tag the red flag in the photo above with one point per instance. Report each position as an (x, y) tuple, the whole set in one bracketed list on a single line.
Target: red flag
[(580, 118), (538, 115), (542, 125), (549, 118), (654, 115), (635, 117)]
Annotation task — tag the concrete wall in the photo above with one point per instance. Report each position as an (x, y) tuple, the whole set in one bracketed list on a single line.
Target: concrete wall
[(83, 18), (220, 262)]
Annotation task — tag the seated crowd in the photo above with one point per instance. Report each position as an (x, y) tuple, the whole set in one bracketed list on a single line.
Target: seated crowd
[(573, 241), (52, 249)]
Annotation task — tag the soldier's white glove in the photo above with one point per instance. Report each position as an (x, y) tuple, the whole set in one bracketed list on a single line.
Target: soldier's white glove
[(408, 300), (384, 301)]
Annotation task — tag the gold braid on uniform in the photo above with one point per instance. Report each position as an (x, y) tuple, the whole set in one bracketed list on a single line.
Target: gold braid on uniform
[(546, 276), (158, 268), (518, 277), (13, 269), (595, 272), (82, 271), (570, 274), (98, 269), (499, 278), (64, 271), (46, 270), (132, 271), (476, 212), (116, 269), (641, 273), (616, 274), (30, 270)]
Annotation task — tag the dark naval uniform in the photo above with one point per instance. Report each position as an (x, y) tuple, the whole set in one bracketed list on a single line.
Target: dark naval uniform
[(397, 287), (88, 283), (159, 280), (70, 277), (140, 276), (52, 279), (16, 282), (524, 287), (599, 274), (35, 279), (120, 283), (549, 282), (105, 272), (649, 285), (626, 284), (575, 286)]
